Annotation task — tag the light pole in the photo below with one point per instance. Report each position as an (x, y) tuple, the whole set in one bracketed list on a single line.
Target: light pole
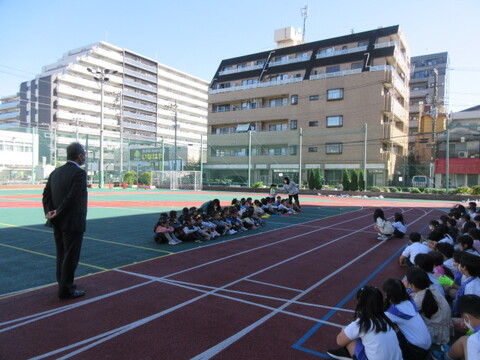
[(175, 126), (101, 76)]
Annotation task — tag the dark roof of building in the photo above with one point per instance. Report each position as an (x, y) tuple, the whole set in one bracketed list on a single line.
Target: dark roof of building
[(475, 108)]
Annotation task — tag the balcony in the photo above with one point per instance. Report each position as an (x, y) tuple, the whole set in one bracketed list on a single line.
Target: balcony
[(127, 124), (392, 77), (341, 52), (141, 86), (241, 69), (255, 86), (395, 108), (140, 106), (127, 114), (288, 61), (137, 95), (335, 74), (10, 105), (140, 65), (140, 75)]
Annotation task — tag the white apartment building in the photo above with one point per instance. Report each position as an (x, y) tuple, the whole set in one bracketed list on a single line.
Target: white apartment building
[(143, 100)]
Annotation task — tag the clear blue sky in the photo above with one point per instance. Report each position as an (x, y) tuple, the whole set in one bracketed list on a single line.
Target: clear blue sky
[(194, 36)]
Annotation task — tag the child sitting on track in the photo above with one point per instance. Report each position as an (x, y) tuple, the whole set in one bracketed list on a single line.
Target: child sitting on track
[(382, 225), (371, 334), (414, 338), (399, 226), (425, 262), (416, 247), (467, 347), (431, 305), (165, 232)]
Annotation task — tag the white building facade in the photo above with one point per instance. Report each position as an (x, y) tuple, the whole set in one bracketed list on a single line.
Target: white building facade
[(145, 104)]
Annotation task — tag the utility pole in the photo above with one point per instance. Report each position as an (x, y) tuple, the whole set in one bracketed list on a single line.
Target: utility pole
[(433, 115)]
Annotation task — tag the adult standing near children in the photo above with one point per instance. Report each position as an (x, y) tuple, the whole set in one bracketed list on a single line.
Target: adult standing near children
[(292, 190), (65, 205)]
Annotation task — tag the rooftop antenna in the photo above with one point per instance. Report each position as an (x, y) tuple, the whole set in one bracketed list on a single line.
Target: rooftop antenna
[(304, 12)]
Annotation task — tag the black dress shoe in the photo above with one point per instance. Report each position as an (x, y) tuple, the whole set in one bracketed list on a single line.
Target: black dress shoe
[(73, 295)]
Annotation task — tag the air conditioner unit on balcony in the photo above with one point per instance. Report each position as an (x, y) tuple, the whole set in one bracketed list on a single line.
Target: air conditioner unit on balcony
[(462, 154)]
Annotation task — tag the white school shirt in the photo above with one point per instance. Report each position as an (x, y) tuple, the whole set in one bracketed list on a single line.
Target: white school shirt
[(473, 287), (414, 329), (400, 226), (414, 249), (473, 347), (447, 239), (378, 346)]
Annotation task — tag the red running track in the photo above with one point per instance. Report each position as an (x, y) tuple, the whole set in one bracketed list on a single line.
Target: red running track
[(256, 297)]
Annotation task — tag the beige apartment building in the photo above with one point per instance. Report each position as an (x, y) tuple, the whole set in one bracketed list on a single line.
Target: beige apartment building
[(334, 104)]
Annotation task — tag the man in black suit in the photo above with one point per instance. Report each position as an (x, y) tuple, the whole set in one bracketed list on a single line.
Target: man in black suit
[(65, 205)]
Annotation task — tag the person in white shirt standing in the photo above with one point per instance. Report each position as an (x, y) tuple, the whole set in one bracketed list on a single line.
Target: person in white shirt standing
[(292, 190)]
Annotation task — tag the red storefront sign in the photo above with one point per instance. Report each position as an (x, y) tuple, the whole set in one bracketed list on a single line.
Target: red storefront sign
[(458, 166)]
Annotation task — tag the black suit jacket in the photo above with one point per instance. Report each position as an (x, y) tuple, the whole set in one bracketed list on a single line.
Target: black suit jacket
[(66, 192)]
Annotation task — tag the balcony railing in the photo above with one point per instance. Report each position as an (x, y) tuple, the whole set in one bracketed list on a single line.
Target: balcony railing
[(255, 86), (240, 69), (288, 61), (335, 74), (341, 52)]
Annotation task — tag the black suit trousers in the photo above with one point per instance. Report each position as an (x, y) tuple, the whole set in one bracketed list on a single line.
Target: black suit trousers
[(68, 244)]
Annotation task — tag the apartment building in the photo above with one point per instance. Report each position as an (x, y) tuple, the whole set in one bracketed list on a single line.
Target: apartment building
[(428, 108), (334, 104), (462, 139), (145, 104)]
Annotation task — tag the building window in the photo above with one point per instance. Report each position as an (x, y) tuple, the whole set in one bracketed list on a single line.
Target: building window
[(363, 43), (248, 105), (357, 65), (278, 102), (333, 148), (294, 99), (277, 127), (335, 121), (313, 149), (222, 108), (332, 69), (293, 124), (313, 123), (293, 149), (334, 94), (314, 97)]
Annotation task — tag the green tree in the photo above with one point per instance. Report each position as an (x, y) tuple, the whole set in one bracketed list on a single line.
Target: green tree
[(311, 179), (354, 181), (318, 179), (361, 180), (346, 180), (145, 178), (130, 177)]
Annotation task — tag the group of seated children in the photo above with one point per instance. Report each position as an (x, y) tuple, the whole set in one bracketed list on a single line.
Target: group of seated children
[(211, 220), (434, 313)]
